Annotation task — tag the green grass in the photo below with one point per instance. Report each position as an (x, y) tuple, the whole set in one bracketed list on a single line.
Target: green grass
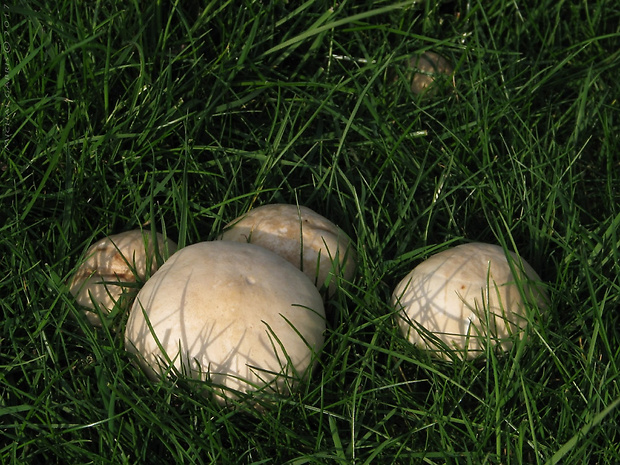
[(182, 117)]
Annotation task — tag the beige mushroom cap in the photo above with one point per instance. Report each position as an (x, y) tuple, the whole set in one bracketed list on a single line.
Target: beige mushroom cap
[(283, 229), (465, 295), (234, 313), (113, 263), (427, 67)]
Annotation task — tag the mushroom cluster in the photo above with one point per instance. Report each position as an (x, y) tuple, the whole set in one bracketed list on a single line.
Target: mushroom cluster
[(243, 312)]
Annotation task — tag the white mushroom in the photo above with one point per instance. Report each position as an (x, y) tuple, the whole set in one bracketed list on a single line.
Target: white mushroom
[(308, 240), (425, 68), (232, 313), (113, 265), (467, 297)]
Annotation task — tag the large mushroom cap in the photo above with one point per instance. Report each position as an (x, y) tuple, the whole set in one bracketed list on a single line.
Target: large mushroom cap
[(303, 237), (234, 313), (466, 296), (111, 267)]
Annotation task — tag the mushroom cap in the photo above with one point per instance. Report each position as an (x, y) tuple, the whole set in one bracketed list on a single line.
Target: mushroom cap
[(233, 313), (427, 67), (466, 296), (300, 235), (112, 265)]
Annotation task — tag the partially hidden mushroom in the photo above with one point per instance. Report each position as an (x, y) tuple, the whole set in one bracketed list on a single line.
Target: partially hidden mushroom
[(112, 268), (424, 69), (306, 239), (233, 314), (467, 298)]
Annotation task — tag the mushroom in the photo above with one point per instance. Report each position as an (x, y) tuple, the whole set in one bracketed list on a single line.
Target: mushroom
[(111, 268), (308, 240), (232, 313), (467, 297), (424, 69)]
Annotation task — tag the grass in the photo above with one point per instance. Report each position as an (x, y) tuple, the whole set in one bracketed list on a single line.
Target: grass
[(180, 117)]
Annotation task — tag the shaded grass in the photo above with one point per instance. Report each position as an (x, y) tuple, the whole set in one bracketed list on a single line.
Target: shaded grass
[(184, 117)]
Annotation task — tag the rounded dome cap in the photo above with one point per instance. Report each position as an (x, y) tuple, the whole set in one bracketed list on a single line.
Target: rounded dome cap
[(306, 239), (234, 313), (424, 69), (466, 296), (112, 265)]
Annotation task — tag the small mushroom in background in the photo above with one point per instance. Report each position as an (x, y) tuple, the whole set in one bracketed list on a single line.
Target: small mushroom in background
[(306, 239), (232, 313), (424, 69), (467, 297), (111, 268)]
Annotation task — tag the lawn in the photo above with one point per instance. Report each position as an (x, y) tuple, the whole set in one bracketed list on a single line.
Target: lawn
[(180, 117)]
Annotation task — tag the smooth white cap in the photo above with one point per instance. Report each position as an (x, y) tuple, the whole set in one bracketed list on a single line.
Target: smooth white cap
[(466, 296), (112, 266), (300, 235), (234, 313)]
